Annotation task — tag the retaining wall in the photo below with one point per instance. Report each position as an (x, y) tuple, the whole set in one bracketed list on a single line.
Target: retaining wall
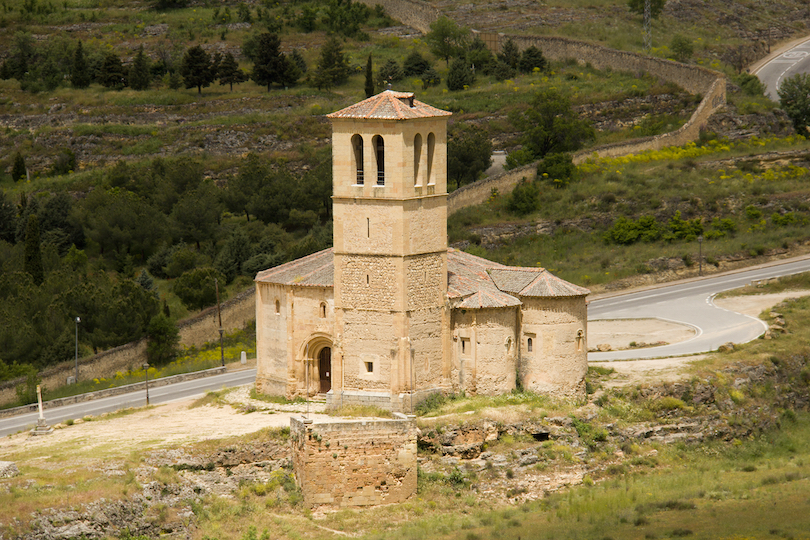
[(413, 13), (195, 331)]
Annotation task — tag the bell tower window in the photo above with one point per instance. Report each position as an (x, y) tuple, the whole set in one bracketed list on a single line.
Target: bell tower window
[(357, 154), (379, 154), (417, 158), (431, 149)]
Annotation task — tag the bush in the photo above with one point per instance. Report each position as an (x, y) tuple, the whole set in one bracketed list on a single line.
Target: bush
[(390, 72), (559, 168), (460, 75), (518, 158), (525, 198), (163, 339), (532, 58), (430, 78), (415, 65)]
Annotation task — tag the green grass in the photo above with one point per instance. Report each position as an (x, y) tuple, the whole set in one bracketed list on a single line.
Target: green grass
[(796, 282)]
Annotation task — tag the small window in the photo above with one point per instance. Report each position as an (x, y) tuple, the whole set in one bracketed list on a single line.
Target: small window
[(368, 227), (367, 280), (357, 150), (323, 310), (529, 345), (417, 159), (379, 155), (580, 339), (278, 307), (369, 367), (431, 148), (465, 346)]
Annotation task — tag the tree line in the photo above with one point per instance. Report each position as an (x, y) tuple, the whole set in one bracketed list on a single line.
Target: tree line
[(98, 255)]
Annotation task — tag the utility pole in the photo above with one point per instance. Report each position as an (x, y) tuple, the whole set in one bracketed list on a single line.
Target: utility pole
[(76, 358), (219, 317)]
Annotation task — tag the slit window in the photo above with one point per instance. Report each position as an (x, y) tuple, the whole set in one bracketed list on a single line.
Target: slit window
[(323, 310), (357, 151), (431, 148), (369, 367), (417, 159), (379, 155), (529, 345), (278, 307), (465, 346)]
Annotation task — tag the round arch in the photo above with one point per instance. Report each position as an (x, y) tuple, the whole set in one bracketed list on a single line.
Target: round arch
[(317, 353)]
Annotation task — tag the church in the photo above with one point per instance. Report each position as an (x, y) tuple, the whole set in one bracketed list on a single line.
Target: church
[(389, 315)]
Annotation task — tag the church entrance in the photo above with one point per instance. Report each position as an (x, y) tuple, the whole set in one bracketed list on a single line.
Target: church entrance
[(325, 369)]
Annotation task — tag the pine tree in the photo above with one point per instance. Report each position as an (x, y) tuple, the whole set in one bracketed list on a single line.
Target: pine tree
[(269, 64), (19, 171), (33, 251), (139, 73), (229, 72), (80, 77), (369, 78), (112, 72), (196, 69), (333, 66)]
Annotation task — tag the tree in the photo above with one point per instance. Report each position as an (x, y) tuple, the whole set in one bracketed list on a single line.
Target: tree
[(195, 288), (197, 69), (469, 153), (163, 339), (532, 58), (8, 219), (390, 72), (510, 54), (237, 250), (369, 87), (80, 76), (550, 124), (794, 96), (656, 7), (229, 72), (112, 73), (479, 57), (681, 48), (525, 198), (430, 78), (33, 251), (19, 170), (139, 73), (447, 39), (558, 168), (460, 75), (415, 64), (333, 65), (268, 62)]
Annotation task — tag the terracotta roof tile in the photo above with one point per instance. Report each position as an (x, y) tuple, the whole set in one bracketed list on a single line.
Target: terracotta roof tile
[(389, 105), (316, 270), (534, 282)]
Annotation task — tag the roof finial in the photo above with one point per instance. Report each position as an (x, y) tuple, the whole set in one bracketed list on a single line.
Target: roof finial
[(389, 86)]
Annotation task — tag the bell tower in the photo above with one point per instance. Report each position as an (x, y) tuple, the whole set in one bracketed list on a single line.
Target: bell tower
[(390, 251)]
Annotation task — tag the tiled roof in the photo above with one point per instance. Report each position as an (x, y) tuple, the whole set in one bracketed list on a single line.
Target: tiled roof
[(389, 105), (316, 270), (533, 282), (472, 282)]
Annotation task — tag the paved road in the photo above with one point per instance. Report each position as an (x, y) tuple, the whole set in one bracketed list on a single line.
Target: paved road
[(163, 394), (690, 303), (787, 63)]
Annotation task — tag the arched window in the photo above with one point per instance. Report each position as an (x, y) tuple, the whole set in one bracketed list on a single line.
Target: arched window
[(357, 152), (379, 155), (278, 307), (529, 345), (417, 158), (431, 148), (580, 339), (323, 310)]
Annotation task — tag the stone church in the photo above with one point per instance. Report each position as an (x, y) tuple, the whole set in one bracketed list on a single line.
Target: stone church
[(390, 315)]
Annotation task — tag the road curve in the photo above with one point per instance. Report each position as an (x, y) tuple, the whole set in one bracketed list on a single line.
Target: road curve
[(690, 303), (784, 63)]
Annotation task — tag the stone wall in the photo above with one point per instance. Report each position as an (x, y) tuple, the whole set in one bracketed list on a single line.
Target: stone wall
[(354, 463), (413, 13), (195, 331), (478, 192), (484, 351)]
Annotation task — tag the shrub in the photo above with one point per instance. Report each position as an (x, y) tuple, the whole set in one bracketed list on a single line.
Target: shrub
[(415, 65), (525, 198), (559, 168), (195, 288), (532, 58), (460, 75)]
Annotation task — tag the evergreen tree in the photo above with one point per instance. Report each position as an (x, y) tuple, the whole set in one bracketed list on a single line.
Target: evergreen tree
[(369, 78), (229, 72), (532, 58), (139, 73), (8, 219), (333, 65), (447, 39), (460, 75), (19, 171), (197, 68), (33, 251), (112, 73), (80, 76), (510, 54), (163, 339), (291, 72), (268, 64), (415, 64), (298, 58), (390, 72), (430, 78)]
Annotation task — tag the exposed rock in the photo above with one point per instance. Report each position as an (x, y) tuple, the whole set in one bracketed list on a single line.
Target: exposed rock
[(726, 347), (604, 347), (8, 469)]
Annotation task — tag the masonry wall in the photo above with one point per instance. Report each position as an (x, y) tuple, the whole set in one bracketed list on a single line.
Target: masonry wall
[(413, 13), (558, 361), (355, 463), (195, 331), (485, 350)]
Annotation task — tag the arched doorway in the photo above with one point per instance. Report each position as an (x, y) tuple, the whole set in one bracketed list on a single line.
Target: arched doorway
[(325, 369)]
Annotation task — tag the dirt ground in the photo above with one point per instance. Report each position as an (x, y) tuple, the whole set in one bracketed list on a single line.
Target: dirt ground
[(177, 424)]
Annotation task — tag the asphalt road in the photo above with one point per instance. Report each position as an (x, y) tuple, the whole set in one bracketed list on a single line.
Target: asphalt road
[(690, 303), (163, 394), (786, 64)]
